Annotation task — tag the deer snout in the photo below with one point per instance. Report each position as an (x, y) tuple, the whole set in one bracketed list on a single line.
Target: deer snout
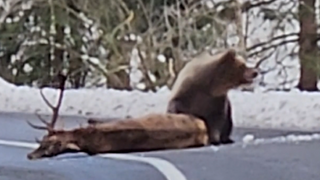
[(32, 156)]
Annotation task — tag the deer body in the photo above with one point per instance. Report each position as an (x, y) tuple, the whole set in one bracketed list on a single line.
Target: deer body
[(150, 132)]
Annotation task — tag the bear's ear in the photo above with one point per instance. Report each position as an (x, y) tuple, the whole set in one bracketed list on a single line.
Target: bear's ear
[(230, 55)]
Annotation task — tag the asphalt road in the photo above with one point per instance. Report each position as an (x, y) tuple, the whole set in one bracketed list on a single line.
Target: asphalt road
[(266, 161)]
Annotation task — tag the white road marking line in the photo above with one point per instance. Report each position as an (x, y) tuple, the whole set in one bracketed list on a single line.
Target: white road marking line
[(170, 171)]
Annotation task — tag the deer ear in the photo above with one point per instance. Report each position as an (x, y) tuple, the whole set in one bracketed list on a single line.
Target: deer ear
[(73, 146), (51, 132)]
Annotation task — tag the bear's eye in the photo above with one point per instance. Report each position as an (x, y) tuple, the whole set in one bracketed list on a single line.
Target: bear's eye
[(242, 67)]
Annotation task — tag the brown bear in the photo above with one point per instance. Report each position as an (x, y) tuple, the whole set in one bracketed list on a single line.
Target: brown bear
[(201, 89)]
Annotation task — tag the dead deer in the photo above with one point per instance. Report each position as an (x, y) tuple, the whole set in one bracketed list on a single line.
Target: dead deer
[(146, 133)]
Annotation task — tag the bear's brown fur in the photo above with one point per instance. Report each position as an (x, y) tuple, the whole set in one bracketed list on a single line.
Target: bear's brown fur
[(201, 90)]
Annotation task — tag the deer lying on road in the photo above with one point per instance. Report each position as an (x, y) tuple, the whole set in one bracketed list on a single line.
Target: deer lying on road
[(149, 132)]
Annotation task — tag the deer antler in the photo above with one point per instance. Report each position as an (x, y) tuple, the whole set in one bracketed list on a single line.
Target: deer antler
[(49, 126)]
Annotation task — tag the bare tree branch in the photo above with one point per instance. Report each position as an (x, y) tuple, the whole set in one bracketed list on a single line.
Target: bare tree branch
[(249, 4)]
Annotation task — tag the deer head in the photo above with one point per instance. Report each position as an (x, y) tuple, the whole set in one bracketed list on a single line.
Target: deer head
[(53, 144), (56, 141)]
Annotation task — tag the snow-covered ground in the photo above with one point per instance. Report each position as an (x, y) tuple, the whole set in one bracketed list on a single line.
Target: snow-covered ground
[(280, 110)]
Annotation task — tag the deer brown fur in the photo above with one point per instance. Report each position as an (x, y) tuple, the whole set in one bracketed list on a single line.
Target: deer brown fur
[(149, 132), (201, 89)]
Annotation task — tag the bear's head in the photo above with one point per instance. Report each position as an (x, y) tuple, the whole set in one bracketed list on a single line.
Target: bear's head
[(234, 69), (224, 71)]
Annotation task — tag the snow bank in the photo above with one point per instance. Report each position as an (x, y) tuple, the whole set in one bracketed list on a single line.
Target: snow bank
[(294, 110), (283, 110), (95, 101)]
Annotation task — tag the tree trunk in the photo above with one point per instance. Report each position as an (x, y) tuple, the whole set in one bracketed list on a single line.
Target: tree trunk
[(308, 46)]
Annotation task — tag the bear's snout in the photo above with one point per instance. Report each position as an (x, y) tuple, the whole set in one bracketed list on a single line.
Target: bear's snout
[(250, 74), (254, 73)]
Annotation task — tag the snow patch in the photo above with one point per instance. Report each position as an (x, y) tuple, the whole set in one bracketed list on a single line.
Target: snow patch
[(292, 138), (248, 138)]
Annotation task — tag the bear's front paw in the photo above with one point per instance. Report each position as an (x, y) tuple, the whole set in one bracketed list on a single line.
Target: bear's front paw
[(227, 141)]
